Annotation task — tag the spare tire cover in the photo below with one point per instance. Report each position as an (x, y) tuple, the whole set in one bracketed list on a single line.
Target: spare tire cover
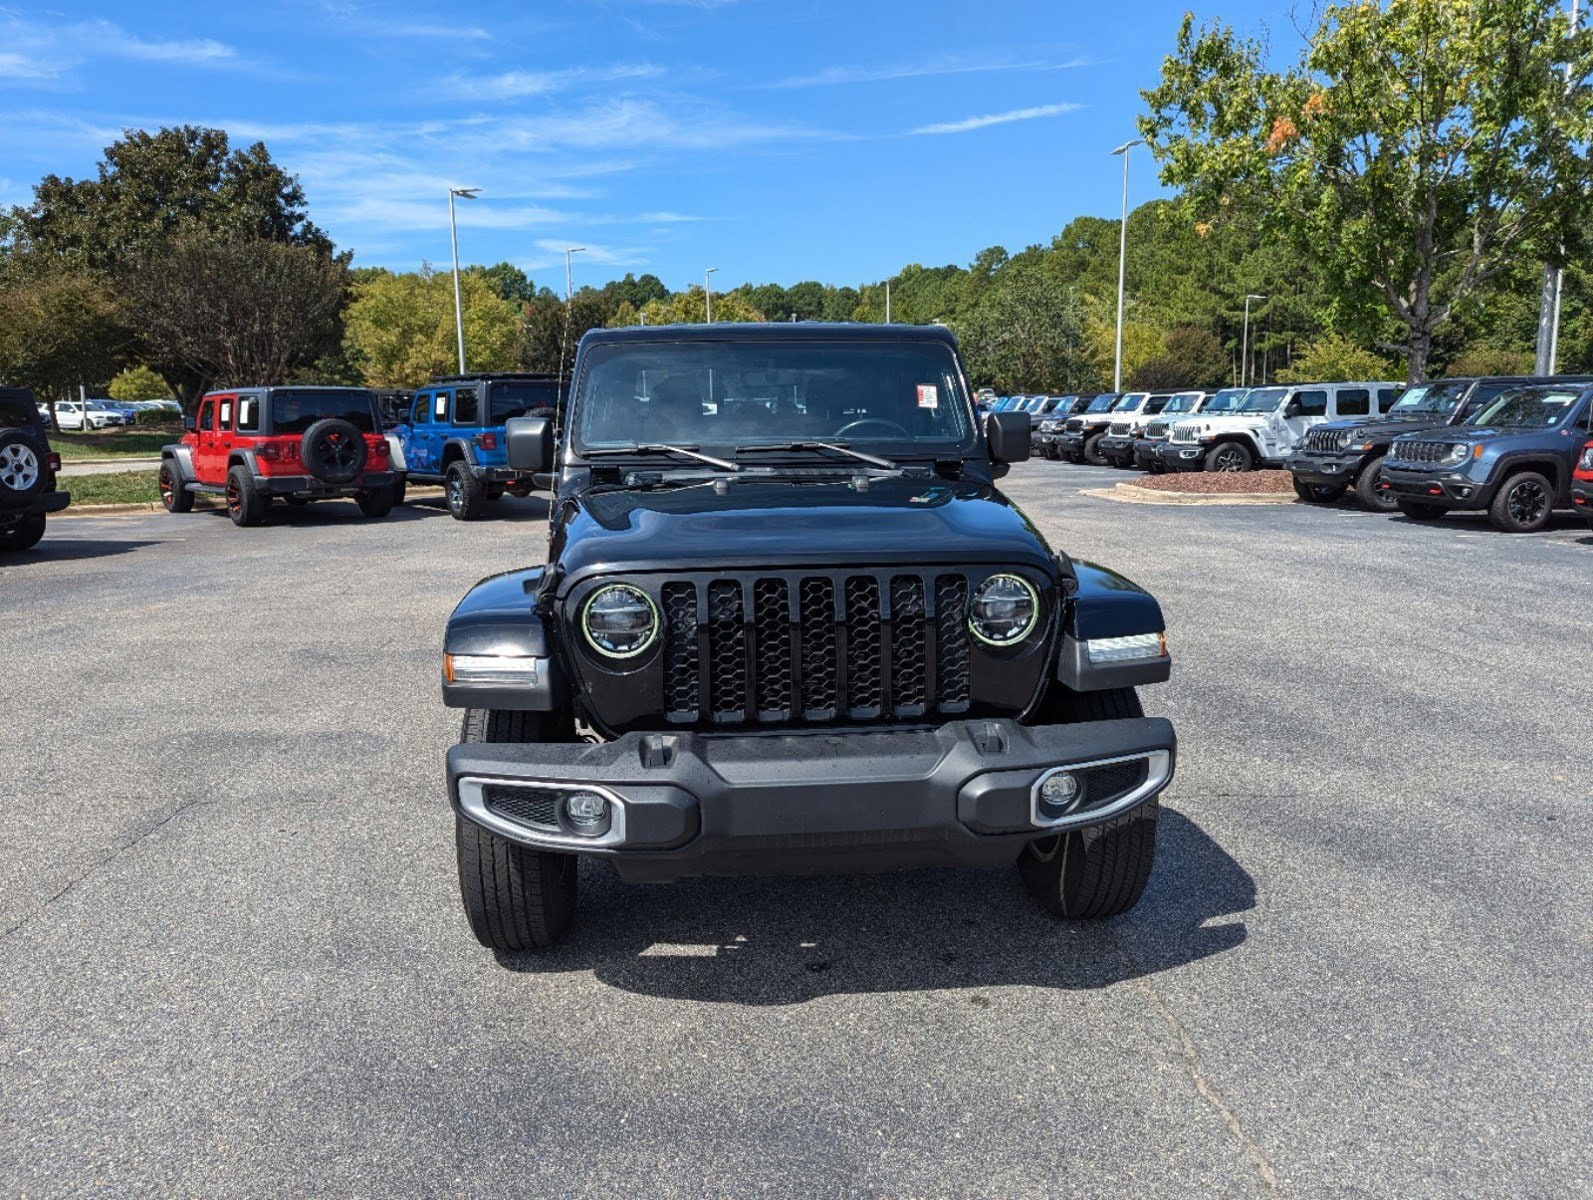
[(333, 450)]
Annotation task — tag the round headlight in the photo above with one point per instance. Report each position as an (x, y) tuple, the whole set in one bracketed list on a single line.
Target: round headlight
[(1003, 610), (1587, 458), (1456, 452), (620, 620)]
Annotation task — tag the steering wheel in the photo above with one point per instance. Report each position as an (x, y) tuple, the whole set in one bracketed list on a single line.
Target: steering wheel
[(890, 425)]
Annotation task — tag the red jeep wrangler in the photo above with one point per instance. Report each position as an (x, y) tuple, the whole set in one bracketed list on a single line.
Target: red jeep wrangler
[(1582, 484), (297, 443)]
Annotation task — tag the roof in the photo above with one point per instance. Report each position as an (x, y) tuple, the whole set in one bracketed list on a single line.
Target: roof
[(497, 376), (764, 331)]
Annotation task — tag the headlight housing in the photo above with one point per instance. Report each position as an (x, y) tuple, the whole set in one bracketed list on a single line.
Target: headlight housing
[(1003, 610), (619, 620), (1457, 452), (1587, 458)]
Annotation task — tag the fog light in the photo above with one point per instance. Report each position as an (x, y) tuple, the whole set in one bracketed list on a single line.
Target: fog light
[(1127, 649), (1059, 790), (587, 813)]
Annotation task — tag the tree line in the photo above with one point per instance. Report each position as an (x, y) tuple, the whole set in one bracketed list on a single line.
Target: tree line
[(1391, 196)]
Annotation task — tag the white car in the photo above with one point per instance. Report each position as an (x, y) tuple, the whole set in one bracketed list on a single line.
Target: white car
[(71, 414), (1268, 424)]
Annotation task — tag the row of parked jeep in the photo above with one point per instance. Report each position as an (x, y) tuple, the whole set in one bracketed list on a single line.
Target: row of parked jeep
[(1515, 447)]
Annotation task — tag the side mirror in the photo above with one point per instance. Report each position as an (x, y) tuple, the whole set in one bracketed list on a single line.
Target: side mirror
[(1007, 436), (190, 424), (529, 441), (1293, 408)]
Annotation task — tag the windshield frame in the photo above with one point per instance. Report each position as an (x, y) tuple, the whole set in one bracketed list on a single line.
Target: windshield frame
[(968, 447)]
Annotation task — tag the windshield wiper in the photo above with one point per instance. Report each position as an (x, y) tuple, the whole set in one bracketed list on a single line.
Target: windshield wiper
[(837, 447), (661, 448)]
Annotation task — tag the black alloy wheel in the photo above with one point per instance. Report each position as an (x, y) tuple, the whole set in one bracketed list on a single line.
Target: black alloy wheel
[(1229, 458), (1523, 505)]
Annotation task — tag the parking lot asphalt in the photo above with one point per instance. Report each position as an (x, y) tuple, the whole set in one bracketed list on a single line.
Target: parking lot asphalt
[(234, 963)]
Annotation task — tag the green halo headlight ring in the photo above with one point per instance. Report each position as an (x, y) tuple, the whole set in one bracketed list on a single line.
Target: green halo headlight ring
[(1004, 590), (620, 631)]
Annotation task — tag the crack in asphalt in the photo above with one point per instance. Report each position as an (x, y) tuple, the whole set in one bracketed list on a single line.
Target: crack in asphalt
[(106, 861), (1208, 1090)]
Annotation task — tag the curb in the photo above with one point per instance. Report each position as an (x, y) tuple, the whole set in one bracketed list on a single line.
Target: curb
[(141, 462), (1127, 493)]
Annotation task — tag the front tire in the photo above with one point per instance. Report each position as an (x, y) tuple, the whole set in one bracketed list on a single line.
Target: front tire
[(1102, 871), (1523, 505), (245, 504), (1229, 458), (174, 497), (22, 535), (1318, 493), (466, 496), (516, 898), (1092, 451), (377, 502), (1367, 491)]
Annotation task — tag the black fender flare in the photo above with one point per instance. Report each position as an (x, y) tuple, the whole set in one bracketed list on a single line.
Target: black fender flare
[(1108, 605), (500, 618)]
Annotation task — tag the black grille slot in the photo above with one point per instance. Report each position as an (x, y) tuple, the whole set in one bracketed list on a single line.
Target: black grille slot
[(951, 643), (909, 647), (818, 648), (865, 677), (1102, 785), (772, 641), (680, 651), (1326, 441), (528, 806), (1156, 430), (1422, 452), (727, 651)]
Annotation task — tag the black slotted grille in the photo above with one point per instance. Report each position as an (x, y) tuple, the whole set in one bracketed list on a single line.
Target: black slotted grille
[(1326, 441), (680, 651), (1157, 430), (772, 617), (814, 648), (727, 651), (909, 646), (818, 649), (528, 806), (1422, 452)]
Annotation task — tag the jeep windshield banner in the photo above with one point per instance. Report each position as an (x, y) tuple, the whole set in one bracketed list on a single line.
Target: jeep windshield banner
[(294, 411), (745, 394)]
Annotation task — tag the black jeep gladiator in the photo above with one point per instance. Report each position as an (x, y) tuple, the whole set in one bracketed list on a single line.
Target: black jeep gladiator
[(788, 623)]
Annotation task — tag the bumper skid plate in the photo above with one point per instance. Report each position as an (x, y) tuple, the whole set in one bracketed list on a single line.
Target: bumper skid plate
[(962, 794)]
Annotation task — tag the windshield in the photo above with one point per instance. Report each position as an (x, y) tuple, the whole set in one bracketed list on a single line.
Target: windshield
[(906, 395), (1130, 401), (1262, 400), (1102, 404), (295, 411), (1429, 398), (1226, 401), (1183, 402), (523, 398), (1526, 408)]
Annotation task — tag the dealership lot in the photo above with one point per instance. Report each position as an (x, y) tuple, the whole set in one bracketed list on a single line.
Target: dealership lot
[(234, 959)]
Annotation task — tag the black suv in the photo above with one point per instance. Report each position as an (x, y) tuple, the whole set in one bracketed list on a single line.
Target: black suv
[(788, 623), (27, 472), (1338, 455)]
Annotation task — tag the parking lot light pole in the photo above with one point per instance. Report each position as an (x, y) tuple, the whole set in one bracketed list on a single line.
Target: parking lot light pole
[(708, 295), (469, 193), (887, 302), (1122, 264), (1548, 347), (569, 290), (1244, 354)]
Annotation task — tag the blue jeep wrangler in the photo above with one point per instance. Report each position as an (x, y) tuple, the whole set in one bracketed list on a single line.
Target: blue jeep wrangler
[(1512, 458), (453, 435)]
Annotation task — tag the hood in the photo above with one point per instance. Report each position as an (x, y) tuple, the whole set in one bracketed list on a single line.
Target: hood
[(1387, 427), (770, 523), (1223, 420)]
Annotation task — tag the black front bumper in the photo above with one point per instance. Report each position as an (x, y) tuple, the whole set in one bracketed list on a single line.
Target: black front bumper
[(1116, 449), (1070, 443), (1582, 497), (1181, 456), (961, 794), (1335, 469), (1442, 489)]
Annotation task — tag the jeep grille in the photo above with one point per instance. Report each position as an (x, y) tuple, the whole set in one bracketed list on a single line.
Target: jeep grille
[(1325, 441), (1419, 452), (1186, 432), (815, 646), (1121, 428), (1157, 430)]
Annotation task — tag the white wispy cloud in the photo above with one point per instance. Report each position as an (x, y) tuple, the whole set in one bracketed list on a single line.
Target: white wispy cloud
[(946, 65), (1006, 118), (37, 52), (512, 85)]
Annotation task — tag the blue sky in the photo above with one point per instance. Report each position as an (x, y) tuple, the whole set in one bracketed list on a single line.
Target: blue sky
[(773, 139)]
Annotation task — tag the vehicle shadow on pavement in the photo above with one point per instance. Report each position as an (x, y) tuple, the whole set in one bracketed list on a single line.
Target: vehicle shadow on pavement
[(62, 549), (531, 508), (771, 941)]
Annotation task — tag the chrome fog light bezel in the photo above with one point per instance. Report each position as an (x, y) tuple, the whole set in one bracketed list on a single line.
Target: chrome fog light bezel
[(1158, 772)]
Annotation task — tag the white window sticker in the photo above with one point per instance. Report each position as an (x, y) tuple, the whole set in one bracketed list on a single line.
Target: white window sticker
[(928, 396), (440, 407), (226, 413)]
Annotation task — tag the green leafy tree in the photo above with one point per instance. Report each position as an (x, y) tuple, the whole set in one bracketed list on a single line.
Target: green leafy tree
[(60, 327), (689, 308), (636, 292), (550, 329), (1027, 334), (1335, 359), (508, 280), (1413, 152), (1191, 357), (138, 383), (400, 327), (151, 186)]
